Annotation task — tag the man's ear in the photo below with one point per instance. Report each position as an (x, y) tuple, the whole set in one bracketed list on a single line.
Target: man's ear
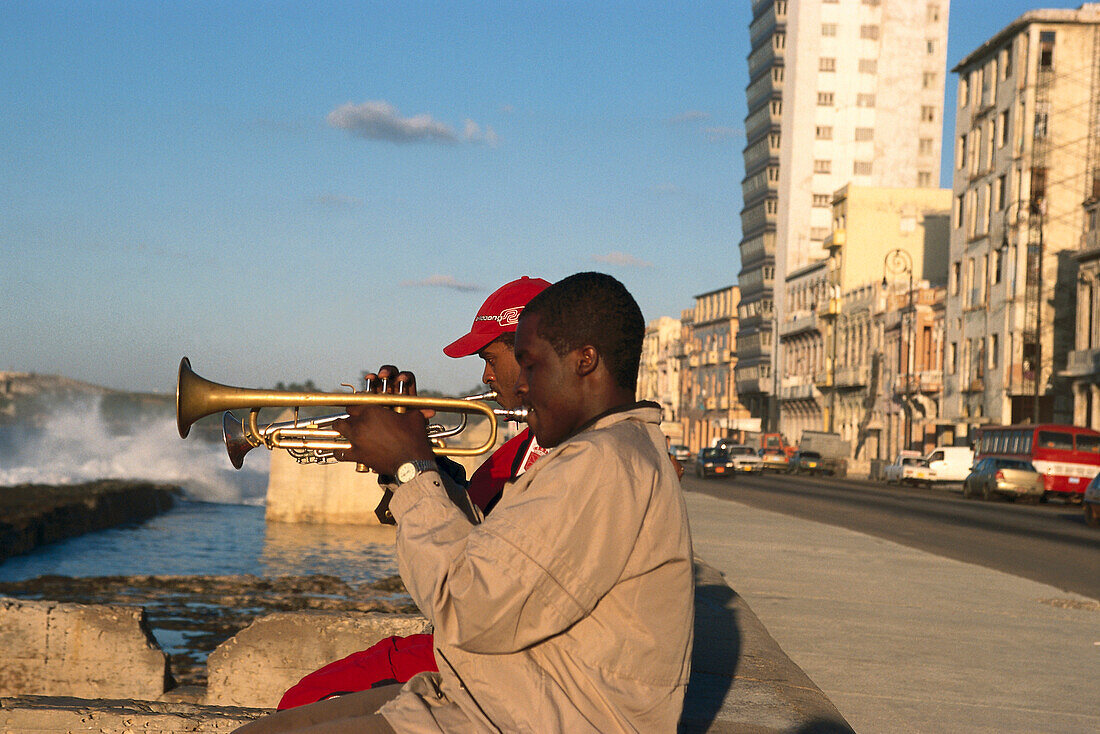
[(588, 359)]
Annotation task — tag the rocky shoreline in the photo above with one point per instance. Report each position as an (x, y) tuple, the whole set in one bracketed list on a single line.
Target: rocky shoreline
[(35, 514)]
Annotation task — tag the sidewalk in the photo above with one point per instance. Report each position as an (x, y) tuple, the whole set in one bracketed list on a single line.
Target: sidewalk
[(906, 641)]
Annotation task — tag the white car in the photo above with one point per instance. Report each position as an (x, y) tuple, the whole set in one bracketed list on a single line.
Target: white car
[(744, 458), (908, 468)]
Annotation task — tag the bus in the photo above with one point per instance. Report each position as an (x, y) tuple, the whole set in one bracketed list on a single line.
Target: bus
[(1068, 457)]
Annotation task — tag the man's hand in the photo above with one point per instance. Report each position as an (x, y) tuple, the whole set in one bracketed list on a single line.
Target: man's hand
[(381, 438)]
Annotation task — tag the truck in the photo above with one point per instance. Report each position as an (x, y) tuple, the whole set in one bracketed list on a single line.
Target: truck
[(824, 453)]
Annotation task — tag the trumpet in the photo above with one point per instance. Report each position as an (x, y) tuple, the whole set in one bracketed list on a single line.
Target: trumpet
[(309, 440)]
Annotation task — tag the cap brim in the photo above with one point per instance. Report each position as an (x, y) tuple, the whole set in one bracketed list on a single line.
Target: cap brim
[(471, 343)]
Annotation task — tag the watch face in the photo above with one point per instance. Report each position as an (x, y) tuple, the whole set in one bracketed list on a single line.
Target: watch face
[(406, 472)]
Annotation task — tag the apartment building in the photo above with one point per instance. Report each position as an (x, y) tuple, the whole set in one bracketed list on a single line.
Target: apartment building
[(1083, 368), (863, 329), (839, 91), (659, 371), (709, 406), (1026, 157)]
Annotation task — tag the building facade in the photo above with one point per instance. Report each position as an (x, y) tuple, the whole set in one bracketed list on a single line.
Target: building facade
[(709, 403), (1083, 369), (659, 372), (1026, 157), (839, 91)]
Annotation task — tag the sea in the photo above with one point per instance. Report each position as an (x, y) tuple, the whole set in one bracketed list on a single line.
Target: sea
[(218, 528)]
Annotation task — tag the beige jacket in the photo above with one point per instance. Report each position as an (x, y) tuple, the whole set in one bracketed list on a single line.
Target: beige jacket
[(570, 608)]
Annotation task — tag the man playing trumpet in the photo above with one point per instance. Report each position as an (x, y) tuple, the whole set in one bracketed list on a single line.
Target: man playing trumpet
[(570, 607), (491, 337)]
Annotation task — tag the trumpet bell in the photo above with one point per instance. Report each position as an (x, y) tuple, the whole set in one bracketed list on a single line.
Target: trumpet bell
[(237, 443)]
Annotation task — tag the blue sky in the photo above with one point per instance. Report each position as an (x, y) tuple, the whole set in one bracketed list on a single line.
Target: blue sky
[(288, 190)]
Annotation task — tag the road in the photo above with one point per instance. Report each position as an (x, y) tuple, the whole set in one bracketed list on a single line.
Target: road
[(1048, 543), (894, 602)]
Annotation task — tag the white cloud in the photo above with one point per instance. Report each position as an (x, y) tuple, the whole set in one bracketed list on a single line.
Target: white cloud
[(689, 116), (379, 120), (442, 281), (622, 259)]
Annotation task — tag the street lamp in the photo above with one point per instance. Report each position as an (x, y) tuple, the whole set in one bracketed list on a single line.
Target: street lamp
[(897, 262)]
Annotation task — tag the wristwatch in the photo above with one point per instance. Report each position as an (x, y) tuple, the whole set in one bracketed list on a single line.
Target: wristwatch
[(410, 470)]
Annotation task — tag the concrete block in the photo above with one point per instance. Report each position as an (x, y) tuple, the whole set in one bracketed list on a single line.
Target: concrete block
[(54, 715), (257, 665), (93, 651)]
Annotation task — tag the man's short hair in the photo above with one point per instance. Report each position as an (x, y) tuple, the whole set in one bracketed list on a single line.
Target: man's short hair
[(593, 309)]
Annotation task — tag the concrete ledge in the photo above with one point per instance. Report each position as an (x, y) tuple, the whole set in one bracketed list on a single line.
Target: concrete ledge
[(55, 714), (741, 680), (51, 648), (258, 664)]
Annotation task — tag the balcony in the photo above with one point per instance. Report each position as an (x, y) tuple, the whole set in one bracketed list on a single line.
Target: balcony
[(974, 385), (803, 321), (852, 376), (928, 381), (753, 385), (1083, 362), (824, 378), (799, 392), (837, 238)]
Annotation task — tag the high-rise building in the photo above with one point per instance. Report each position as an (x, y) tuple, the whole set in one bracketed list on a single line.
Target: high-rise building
[(1027, 156), (840, 91)]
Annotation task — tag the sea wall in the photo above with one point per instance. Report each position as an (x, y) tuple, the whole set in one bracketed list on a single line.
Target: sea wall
[(741, 679), (34, 514)]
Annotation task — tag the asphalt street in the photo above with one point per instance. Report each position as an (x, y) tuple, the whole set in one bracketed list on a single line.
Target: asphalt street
[(902, 639)]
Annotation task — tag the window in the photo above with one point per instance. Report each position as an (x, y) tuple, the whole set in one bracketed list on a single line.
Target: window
[(928, 80), (826, 63), (868, 66), (823, 132), (776, 107), (828, 29), (933, 13), (1002, 189), (823, 200), (1006, 61), (930, 47), (822, 166), (869, 32), (1056, 440), (861, 168), (924, 179), (964, 89), (1046, 50), (863, 134), (997, 265), (1002, 140), (927, 113), (865, 100), (956, 268), (925, 146), (1090, 444), (825, 99)]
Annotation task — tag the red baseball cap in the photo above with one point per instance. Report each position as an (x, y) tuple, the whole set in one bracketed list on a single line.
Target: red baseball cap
[(498, 315)]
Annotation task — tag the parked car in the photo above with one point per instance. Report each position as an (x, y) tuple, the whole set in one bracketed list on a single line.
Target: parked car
[(1091, 502), (679, 452), (810, 462), (773, 460), (744, 458), (1014, 478), (712, 462), (949, 464), (908, 468)]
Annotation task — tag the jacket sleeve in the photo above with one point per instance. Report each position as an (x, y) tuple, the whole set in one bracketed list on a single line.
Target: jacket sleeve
[(539, 563)]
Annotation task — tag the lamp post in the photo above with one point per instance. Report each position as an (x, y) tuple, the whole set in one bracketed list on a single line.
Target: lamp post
[(898, 262)]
